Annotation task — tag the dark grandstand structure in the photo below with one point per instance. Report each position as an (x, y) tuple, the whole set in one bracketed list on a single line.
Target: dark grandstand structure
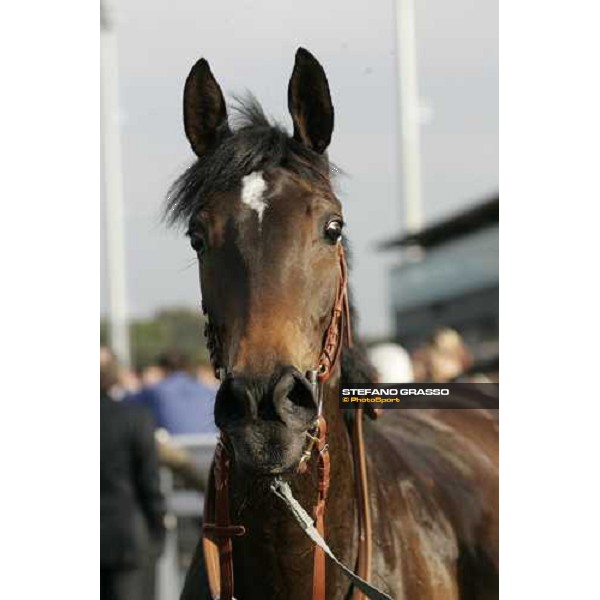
[(448, 276)]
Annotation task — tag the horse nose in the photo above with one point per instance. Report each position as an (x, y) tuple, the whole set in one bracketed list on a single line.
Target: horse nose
[(288, 398)]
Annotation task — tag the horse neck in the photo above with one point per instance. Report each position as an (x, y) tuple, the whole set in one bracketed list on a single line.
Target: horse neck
[(275, 558)]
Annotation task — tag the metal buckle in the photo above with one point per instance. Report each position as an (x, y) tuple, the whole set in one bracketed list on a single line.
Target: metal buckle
[(313, 438)]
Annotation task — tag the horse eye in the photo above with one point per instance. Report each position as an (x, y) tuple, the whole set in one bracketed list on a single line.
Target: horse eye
[(198, 244), (333, 231)]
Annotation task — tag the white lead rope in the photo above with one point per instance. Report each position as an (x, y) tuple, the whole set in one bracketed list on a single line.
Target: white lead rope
[(282, 490)]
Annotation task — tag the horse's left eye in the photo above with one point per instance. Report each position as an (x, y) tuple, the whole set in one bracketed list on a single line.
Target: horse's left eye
[(333, 231)]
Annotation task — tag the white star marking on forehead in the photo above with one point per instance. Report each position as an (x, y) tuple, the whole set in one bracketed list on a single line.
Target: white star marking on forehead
[(253, 188)]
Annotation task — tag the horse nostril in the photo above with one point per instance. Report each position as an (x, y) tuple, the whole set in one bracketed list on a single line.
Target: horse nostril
[(233, 402), (301, 393), (292, 392)]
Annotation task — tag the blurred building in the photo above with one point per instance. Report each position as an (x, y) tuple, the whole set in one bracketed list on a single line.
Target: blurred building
[(447, 276)]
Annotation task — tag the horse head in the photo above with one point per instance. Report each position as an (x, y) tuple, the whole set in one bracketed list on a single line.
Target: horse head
[(266, 226)]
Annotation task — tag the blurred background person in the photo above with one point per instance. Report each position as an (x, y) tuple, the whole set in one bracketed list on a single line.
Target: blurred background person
[(392, 363), (444, 358), (109, 373), (419, 359), (179, 402), (132, 507), (449, 355), (151, 375), (123, 381), (129, 381)]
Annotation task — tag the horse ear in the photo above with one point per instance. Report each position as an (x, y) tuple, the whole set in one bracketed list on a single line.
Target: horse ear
[(309, 102), (204, 110)]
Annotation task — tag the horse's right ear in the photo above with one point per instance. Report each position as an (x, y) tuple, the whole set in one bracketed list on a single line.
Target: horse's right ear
[(204, 110)]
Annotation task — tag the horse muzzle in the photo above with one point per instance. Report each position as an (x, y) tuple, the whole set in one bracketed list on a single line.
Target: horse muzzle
[(266, 418)]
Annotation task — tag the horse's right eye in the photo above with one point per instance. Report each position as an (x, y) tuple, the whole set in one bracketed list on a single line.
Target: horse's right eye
[(198, 243)]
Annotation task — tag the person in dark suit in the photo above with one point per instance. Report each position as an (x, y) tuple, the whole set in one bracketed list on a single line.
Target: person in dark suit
[(132, 506)]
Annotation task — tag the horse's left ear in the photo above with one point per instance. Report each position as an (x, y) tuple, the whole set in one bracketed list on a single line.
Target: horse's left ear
[(309, 102)]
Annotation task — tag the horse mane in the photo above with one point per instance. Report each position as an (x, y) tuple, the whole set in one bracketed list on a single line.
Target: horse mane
[(255, 143), (356, 367), (252, 144)]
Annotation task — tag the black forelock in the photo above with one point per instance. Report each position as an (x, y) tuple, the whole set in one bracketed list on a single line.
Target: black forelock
[(254, 143)]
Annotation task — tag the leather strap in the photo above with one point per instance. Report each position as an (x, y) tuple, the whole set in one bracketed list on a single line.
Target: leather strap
[(209, 546), (330, 354), (338, 326), (218, 530), (323, 470), (365, 530)]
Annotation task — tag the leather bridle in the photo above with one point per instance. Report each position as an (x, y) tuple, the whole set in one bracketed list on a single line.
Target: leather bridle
[(218, 530)]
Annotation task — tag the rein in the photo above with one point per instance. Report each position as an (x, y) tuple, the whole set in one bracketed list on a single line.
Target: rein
[(218, 529)]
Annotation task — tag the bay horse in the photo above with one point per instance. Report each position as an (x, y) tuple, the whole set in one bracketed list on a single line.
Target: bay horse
[(265, 223)]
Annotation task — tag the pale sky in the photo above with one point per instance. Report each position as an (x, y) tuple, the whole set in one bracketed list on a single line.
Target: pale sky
[(250, 45)]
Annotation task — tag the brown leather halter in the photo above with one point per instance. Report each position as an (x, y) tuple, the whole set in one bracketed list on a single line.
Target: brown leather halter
[(218, 529)]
